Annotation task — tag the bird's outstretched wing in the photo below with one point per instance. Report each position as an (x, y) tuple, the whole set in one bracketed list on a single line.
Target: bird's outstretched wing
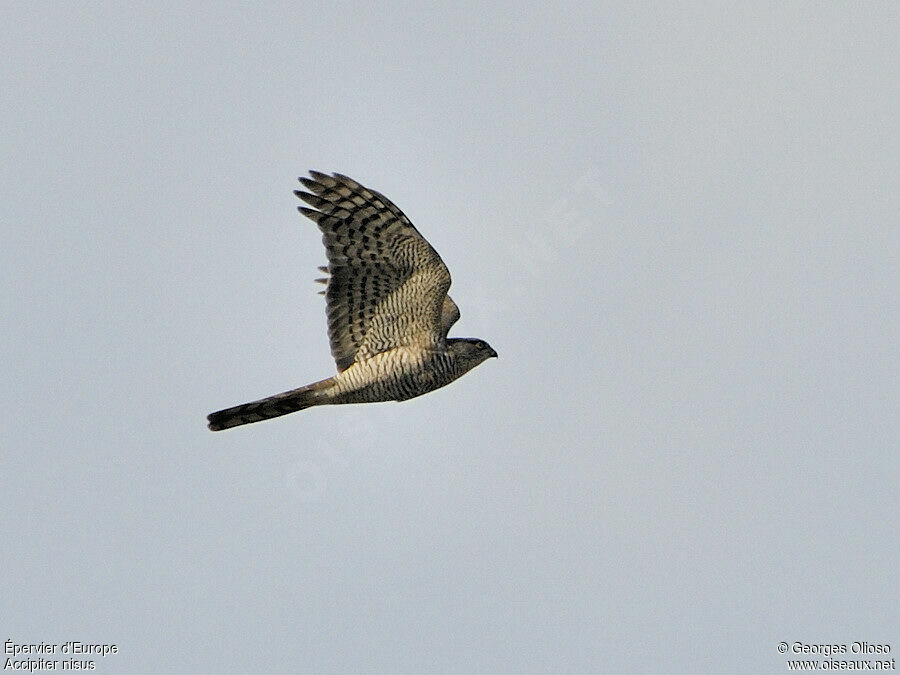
[(449, 315), (387, 287)]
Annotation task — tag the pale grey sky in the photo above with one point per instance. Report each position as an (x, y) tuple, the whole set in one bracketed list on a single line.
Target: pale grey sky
[(677, 225)]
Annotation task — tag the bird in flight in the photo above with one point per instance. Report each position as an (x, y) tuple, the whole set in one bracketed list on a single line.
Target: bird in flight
[(387, 306)]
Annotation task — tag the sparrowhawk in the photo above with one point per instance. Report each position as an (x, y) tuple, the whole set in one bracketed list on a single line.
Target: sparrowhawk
[(387, 306)]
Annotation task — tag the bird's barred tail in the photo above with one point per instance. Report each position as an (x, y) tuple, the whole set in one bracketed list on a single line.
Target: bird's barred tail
[(267, 408)]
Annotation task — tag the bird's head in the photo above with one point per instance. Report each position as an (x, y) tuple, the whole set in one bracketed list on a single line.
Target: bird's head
[(469, 352)]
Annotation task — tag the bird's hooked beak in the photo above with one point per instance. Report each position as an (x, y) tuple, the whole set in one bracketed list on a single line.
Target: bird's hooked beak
[(493, 353)]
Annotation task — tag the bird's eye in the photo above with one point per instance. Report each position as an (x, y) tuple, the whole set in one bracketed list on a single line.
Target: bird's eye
[(480, 344)]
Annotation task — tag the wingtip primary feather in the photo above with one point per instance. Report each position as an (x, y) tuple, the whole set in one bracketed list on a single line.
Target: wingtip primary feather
[(319, 176), (312, 200), (346, 180)]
